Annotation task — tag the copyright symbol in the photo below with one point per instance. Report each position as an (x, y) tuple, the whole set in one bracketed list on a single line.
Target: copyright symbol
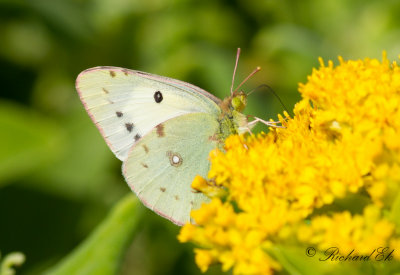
[(310, 251)]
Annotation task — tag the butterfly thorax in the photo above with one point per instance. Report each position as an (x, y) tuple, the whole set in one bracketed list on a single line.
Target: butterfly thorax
[(232, 120)]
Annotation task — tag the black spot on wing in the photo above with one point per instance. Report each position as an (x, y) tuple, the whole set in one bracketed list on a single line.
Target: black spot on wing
[(119, 114), (163, 189), (137, 137), (129, 127), (112, 73), (158, 97)]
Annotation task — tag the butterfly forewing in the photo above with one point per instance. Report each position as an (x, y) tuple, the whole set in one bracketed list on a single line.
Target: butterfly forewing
[(126, 105), (162, 165)]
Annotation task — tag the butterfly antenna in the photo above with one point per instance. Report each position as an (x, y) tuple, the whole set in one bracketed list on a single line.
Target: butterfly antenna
[(234, 70), (268, 88), (247, 78)]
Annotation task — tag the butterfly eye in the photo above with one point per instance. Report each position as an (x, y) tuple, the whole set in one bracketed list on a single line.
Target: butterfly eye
[(158, 96)]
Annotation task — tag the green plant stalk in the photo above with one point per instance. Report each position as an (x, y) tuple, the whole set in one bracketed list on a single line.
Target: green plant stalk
[(103, 251)]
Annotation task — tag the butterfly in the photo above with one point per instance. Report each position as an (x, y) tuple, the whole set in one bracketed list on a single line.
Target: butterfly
[(162, 130)]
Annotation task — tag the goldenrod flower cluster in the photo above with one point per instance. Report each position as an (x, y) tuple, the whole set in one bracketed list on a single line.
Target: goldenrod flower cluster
[(329, 178)]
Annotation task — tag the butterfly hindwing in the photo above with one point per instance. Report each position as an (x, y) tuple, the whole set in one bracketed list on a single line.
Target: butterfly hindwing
[(162, 165), (125, 105)]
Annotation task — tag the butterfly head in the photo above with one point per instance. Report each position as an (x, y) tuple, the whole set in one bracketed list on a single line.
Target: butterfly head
[(239, 101)]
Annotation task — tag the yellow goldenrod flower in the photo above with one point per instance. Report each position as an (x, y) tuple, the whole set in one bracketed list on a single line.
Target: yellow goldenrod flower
[(330, 178), (363, 233)]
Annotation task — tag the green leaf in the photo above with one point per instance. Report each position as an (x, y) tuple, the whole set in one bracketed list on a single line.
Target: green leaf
[(307, 260), (103, 251), (27, 140), (296, 262), (86, 168)]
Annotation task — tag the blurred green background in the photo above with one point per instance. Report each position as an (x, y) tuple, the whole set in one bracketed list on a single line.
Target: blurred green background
[(58, 179)]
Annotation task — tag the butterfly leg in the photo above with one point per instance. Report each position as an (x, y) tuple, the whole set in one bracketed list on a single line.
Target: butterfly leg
[(268, 123)]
